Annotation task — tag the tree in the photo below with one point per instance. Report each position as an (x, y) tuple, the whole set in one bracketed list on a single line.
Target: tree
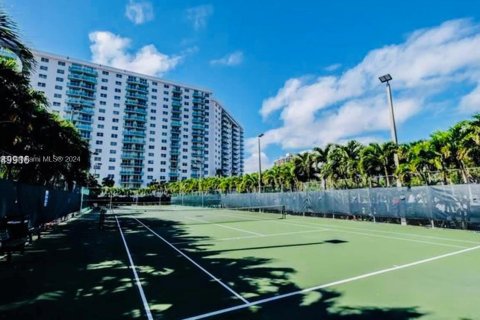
[(10, 40), (108, 181)]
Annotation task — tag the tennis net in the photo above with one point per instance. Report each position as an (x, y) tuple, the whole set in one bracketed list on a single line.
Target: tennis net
[(197, 215)]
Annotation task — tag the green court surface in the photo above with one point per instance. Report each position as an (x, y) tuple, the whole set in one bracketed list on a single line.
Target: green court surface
[(172, 262)]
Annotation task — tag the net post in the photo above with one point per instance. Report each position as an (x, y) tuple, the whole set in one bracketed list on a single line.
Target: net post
[(284, 213)]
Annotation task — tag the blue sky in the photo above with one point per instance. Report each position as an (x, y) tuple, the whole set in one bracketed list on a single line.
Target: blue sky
[(303, 72)]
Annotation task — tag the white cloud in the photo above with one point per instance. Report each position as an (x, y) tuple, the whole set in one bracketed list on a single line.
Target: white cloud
[(110, 49), (335, 108), (471, 102), (199, 15), (139, 12), (251, 163), (231, 59), (333, 67)]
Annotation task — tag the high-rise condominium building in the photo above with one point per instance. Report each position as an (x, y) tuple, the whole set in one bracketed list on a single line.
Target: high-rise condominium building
[(141, 128)]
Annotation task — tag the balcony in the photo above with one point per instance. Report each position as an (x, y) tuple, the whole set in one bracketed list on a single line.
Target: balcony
[(173, 174), (134, 117), (136, 96), (198, 126), (141, 89), (135, 125), (198, 121), (133, 102), (83, 127), (176, 118), (197, 94), (176, 123), (176, 99), (81, 85), (133, 155), (137, 133), (80, 102), (137, 81), (142, 111), (197, 107), (198, 114), (175, 138), (174, 152), (197, 148), (197, 140), (177, 90), (83, 69), (197, 100), (134, 140), (81, 93), (130, 172), (79, 77)]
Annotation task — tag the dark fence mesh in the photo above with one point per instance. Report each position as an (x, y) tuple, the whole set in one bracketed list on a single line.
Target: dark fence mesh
[(39, 203)]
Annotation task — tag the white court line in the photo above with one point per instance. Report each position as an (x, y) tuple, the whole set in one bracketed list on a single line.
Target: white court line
[(335, 283), (339, 229), (137, 280), (389, 232), (192, 261), (262, 236), (227, 227)]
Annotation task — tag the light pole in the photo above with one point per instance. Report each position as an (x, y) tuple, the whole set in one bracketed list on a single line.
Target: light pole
[(386, 79), (259, 164)]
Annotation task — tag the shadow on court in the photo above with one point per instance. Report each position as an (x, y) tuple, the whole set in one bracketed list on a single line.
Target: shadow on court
[(80, 272)]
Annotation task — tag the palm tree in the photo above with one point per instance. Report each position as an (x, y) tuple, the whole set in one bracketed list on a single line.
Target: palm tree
[(10, 40), (377, 157), (304, 164)]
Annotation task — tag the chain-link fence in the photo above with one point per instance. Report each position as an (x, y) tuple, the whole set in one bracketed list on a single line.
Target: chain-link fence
[(38, 203)]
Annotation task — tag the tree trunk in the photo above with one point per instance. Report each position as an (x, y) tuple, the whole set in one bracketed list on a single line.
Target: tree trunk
[(386, 176)]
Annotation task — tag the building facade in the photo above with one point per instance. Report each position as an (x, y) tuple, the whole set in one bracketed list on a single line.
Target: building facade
[(141, 128), (287, 158)]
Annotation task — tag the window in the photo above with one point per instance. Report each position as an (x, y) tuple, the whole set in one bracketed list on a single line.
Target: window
[(166, 86), (44, 59), (58, 87), (98, 142), (163, 162), (151, 139), (41, 84), (114, 128), (104, 80), (103, 95), (114, 135), (103, 87), (163, 148), (116, 97), (154, 83), (118, 83), (60, 71), (43, 76), (150, 177), (154, 104), (116, 112), (114, 120), (117, 90), (165, 99), (153, 111), (119, 76), (57, 95), (150, 169), (165, 113), (58, 79), (43, 68), (154, 90), (150, 154), (162, 170), (111, 168), (99, 134), (111, 159), (113, 143), (100, 126), (151, 147), (103, 103), (153, 118), (116, 105), (101, 110), (61, 63), (152, 125), (154, 97), (105, 73), (56, 104), (101, 118)]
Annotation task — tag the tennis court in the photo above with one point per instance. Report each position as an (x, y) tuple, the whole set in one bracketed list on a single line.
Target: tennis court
[(174, 262)]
